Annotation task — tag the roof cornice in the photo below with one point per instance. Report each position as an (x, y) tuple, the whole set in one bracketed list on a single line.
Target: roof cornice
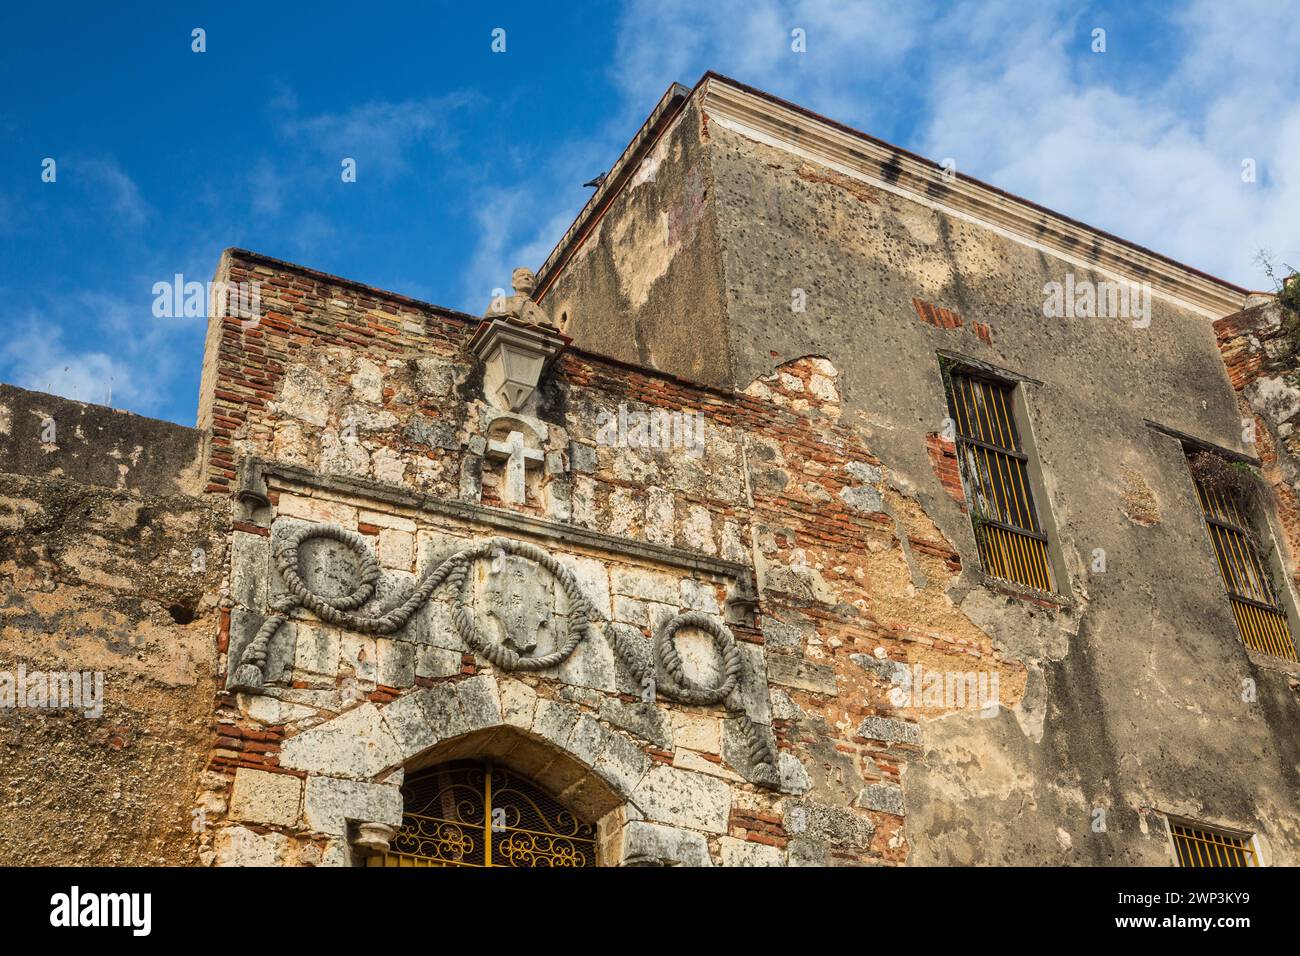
[(785, 126)]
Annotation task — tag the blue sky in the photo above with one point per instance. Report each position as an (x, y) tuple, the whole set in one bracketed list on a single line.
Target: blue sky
[(470, 162)]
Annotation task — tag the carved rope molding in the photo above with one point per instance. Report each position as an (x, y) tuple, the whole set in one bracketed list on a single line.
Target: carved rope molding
[(342, 611)]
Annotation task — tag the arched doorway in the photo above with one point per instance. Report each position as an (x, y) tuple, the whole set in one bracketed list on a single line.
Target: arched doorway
[(476, 813)]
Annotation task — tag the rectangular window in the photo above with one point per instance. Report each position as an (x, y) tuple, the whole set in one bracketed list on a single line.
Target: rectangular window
[(1260, 620), (994, 468), (1197, 845)]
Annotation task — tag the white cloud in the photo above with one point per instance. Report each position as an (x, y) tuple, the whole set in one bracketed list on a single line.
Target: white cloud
[(112, 187), (36, 358), (1015, 95), (1160, 165), (380, 134), (676, 41), (510, 235), (847, 43), (120, 354)]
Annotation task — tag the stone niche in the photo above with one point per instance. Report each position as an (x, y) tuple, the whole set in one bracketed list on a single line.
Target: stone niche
[(383, 639)]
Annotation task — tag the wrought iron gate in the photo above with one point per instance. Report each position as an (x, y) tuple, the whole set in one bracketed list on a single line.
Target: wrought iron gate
[(469, 813)]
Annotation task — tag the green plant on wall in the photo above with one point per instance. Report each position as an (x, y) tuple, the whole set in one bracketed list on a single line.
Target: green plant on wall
[(1286, 284)]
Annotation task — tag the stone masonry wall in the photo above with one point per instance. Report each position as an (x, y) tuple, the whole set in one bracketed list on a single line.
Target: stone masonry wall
[(385, 434)]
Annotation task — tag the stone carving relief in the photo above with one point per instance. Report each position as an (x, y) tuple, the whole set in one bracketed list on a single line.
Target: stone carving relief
[(519, 598), (520, 601), (516, 445)]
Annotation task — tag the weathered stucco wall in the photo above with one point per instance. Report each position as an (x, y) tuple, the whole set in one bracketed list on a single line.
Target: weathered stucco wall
[(1132, 690), (93, 580), (44, 435), (646, 285), (1133, 701)]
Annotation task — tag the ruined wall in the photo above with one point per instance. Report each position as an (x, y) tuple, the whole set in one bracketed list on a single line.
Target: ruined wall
[(1132, 674), (108, 581), (387, 436)]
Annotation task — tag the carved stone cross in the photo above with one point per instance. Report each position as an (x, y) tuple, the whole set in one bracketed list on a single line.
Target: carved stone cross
[(518, 458)]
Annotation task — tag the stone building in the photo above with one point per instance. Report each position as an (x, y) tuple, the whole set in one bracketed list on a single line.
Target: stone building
[(812, 505)]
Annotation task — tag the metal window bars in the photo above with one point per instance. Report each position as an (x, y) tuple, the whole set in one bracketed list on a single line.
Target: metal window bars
[(475, 814), (1199, 846), (1255, 607), (1012, 544)]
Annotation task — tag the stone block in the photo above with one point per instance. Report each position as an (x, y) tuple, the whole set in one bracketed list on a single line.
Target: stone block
[(250, 569), (443, 712), (697, 732), (317, 650), (407, 720), (699, 596), (317, 510), (660, 517), (244, 625), (622, 763), (356, 744), (262, 797), (432, 625), (590, 665), (682, 798), (588, 740), (436, 662), (238, 846), (653, 844), (642, 718), (395, 666), (382, 519), (792, 773), (554, 721), (518, 702), (885, 797), (827, 825), (329, 803), (480, 701), (690, 760), (889, 730), (646, 585), (396, 549), (736, 852), (793, 670), (358, 652)]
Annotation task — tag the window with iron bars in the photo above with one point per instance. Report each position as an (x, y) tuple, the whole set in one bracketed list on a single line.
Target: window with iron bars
[(1261, 622), (995, 473), (1198, 845)]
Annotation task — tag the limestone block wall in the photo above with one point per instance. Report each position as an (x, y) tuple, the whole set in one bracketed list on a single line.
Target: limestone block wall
[(823, 581)]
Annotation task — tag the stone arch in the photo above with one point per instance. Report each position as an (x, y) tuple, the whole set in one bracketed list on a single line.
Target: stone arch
[(527, 759), (558, 771)]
